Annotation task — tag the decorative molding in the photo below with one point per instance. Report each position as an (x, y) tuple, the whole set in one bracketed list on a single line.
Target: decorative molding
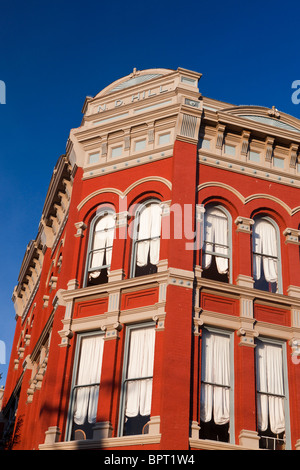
[(121, 194), (269, 148), (220, 136), (292, 236), (81, 227), (245, 143), (293, 153), (245, 281), (105, 443), (244, 224), (249, 439)]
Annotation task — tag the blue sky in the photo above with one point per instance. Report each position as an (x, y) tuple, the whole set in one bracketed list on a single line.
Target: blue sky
[(54, 54)]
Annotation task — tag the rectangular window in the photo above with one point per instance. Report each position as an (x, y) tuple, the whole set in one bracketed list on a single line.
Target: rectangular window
[(137, 380), (278, 162), (164, 139), (229, 149), (204, 144), (116, 151), (93, 158), (85, 386), (146, 242), (216, 401), (216, 245), (272, 403), (140, 145), (189, 81), (254, 156)]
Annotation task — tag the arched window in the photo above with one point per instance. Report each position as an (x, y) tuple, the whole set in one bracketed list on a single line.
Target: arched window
[(216, 251), (266, 255), (100, 248), (146, 239)]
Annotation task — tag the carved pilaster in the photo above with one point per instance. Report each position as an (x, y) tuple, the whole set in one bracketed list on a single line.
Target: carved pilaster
[(293, 152), (269, 148), (220, 136), (245, 143)]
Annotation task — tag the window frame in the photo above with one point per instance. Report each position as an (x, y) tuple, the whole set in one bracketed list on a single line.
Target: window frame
[(282, 343), (279, 259), (229, 235), (104, 211), (135, 240), (230, 334), (129, 329), (70, 415)]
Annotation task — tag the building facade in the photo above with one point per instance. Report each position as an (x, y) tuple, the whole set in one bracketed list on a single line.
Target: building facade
[(158, 306)]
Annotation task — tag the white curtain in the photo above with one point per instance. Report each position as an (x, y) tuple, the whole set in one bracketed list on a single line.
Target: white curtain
[(270, 380), (89, 372), (215, 234), (140, 364), (215, 400), (265, 242), (149, 227), (103, 240)]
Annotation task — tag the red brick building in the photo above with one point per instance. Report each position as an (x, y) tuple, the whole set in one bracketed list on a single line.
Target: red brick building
[(158, 306)]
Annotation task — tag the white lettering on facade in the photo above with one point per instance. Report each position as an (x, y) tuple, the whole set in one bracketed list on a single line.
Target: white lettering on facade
[(134, 98)]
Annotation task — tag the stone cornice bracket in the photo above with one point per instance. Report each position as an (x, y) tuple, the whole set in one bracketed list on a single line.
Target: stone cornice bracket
[(160, 321), (245, 143), (165, 208), (243, 224), (292, 235), (269, 148), (247, 336), (122, 218), (112, 331), (293, 152), (81, 227), (295, 346), (220, 135)]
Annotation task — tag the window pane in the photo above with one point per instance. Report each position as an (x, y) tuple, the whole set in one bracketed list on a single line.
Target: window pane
[(215, 386), (147, 242), (215, 262), (94, 157), (86, 386), (139, 380), (140, 145), (265, 255), (229, 150), (164, 139), (254, 156), (99, 257), (116, 152), (270, 394), (278, 162)]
